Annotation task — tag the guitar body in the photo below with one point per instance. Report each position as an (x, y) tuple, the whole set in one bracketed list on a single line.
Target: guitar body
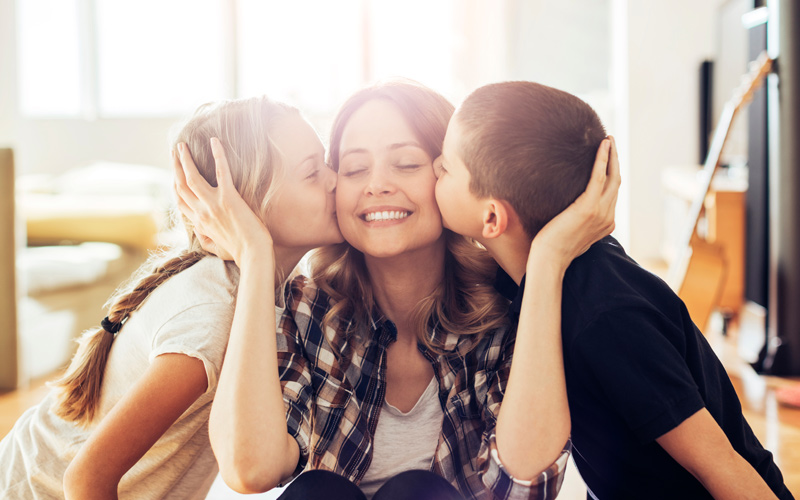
[(704, 282)]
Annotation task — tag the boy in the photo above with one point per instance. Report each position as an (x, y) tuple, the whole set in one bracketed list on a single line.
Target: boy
[(654, 414)]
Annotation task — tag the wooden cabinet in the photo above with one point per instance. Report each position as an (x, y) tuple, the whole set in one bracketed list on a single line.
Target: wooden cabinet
[(722, 222), (8, 288)]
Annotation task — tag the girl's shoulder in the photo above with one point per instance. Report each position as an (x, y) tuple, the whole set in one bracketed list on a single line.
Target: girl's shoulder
[(205, 291), (210, 280)]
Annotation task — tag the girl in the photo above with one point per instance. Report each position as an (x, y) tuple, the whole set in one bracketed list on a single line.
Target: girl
[(129, 417), (398, 355)]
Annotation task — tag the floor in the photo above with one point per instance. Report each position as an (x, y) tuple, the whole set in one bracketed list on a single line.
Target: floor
[(776, 426)]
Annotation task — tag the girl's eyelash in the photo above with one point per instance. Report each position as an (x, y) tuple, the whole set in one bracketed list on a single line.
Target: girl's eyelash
[(408, 167), (312, 174)]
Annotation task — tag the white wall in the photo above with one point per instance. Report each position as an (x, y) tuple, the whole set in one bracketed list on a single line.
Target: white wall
[(564, 44), (55, 145), (657, 50), (653, 47), (52, 146)]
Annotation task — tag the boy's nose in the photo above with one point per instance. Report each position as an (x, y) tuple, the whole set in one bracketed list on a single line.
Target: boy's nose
[(437, 166)]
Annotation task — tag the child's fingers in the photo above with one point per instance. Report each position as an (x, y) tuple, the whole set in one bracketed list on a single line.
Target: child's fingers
[(176, 167), (182, 191), (224, 179), (611, 190), (614, 177), (184, 208), (194, 181), (599, 171)]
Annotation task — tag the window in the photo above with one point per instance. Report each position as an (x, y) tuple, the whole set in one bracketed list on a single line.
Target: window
[(165, 57), (308, 53), (415, 39), (157, 57), (49, 58)]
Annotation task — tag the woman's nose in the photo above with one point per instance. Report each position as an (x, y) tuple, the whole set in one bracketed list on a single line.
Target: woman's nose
[(379, 182)]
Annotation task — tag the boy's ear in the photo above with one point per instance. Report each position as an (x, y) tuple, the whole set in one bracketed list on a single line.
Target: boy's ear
[(495, 218)]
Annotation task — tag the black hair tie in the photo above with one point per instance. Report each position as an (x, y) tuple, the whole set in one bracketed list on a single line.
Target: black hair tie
[(109, 326)]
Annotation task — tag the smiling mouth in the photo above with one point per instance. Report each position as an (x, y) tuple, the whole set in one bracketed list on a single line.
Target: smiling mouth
[(385, 215)]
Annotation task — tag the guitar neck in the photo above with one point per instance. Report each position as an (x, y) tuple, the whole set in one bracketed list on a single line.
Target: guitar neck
[(706, 175), (758, 70)]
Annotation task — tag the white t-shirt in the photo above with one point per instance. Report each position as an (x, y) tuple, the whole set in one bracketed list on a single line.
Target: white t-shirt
[(404, 441), (191, 314)]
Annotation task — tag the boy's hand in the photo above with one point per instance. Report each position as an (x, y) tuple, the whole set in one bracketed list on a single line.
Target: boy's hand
[(223, 222), (587, 220)]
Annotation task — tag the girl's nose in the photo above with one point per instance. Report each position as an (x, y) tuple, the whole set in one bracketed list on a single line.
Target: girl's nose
[(329, 179)]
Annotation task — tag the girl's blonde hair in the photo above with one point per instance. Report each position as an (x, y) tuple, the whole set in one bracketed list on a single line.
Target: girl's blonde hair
[(243, 127), (465, 303)]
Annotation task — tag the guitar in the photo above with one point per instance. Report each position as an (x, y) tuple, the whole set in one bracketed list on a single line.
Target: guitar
[(698, 273)]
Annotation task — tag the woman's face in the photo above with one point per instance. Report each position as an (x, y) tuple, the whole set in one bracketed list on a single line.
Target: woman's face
[(302, 214), (385, 194)]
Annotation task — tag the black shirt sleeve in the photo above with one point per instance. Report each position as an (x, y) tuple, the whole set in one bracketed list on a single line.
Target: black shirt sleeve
[(633, 360)]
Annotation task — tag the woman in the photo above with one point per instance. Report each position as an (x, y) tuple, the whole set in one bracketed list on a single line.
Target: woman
[(398, 354), (129, 417)]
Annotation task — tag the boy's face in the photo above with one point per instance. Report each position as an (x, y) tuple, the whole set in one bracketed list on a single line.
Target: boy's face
[(461, 209)]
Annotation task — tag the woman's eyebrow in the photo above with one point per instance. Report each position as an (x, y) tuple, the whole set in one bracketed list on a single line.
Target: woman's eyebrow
[(352, 151), (392, 147), (399, 145)]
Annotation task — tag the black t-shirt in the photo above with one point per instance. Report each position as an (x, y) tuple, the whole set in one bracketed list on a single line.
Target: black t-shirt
[(636, 367)]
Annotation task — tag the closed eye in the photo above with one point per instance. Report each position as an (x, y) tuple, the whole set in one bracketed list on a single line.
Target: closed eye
[(352, 172)]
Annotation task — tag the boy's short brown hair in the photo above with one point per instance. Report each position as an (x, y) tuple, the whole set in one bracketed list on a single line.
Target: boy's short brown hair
[(530, 145)]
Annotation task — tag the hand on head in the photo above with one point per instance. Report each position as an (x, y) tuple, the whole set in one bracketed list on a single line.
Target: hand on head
[(223, 222), (591, 216)]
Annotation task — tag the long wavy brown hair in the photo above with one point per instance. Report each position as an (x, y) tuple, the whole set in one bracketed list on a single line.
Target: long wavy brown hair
[(465, 303), (243, 128)]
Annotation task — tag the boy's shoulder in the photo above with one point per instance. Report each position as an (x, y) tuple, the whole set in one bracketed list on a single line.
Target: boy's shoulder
[(605, 278)]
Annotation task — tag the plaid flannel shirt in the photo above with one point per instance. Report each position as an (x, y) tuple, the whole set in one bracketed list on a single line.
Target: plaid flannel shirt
[(334, 388)]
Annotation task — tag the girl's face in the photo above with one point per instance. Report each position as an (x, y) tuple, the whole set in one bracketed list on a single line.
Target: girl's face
[(302, 214), (385, 195)]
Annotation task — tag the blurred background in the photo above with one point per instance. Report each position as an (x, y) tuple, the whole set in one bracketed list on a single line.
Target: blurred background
[(89, 90)]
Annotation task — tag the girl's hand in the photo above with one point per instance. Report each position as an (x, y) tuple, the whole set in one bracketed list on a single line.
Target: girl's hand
[(224, 223), (588, 219)]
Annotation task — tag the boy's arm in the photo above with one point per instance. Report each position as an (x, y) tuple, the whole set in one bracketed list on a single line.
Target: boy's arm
[(166, 390), (700, 446)]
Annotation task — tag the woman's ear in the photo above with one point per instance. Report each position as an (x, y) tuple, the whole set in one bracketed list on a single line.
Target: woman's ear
[(495, 219)]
